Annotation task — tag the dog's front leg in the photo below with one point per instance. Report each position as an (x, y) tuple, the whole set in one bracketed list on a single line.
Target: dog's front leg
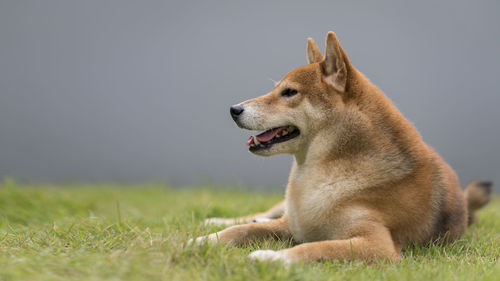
[(377, 244), (275, 212), (243, 234)]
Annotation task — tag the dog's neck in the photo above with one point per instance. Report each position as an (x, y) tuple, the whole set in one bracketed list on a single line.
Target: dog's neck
[(370, 126)]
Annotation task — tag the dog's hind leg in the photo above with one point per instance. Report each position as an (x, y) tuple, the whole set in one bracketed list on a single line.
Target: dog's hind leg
[(275, 212)]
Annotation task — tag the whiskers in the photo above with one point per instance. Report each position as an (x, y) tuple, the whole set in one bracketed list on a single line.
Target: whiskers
[(274, 81)]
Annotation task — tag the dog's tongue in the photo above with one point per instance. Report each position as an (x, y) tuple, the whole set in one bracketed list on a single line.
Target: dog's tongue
[(269, 134), (266, 136), (250, 141)]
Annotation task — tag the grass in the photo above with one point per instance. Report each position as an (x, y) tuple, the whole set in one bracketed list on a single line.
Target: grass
[(113, 232)]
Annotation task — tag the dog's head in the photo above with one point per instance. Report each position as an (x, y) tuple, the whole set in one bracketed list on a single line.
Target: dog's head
[(306, 101)]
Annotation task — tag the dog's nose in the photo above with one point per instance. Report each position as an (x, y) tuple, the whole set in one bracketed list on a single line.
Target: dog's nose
[(236, 111)]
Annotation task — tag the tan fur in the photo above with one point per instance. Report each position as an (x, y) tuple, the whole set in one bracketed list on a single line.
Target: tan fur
[(363, 184)]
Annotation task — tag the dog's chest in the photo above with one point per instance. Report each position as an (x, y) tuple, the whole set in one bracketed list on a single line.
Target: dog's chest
[(312, 208)]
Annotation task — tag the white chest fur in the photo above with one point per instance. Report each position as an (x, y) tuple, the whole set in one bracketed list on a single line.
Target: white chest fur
[(312, 199)]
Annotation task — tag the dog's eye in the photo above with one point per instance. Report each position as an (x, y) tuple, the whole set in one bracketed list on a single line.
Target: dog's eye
[(288, 92)]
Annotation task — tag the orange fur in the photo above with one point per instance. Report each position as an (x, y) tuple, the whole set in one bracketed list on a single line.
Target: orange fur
[(363, 183)]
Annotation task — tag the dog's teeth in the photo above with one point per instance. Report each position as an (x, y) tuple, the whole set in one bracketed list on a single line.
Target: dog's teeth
[(256, 141), (284, 132)]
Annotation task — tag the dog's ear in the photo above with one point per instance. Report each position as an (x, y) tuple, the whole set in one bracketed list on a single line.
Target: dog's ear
[(334, 65), (313, 52)]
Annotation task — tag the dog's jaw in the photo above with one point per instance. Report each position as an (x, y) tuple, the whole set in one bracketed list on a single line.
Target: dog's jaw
[(272, 137), (279, 134)]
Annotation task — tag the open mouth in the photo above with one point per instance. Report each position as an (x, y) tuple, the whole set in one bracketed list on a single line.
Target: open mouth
[(275, 135)]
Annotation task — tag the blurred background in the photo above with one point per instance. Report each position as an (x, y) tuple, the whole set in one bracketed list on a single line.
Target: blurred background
[(131, 91)]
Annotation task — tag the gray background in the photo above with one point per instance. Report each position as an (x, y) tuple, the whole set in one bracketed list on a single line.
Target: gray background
[(140, 90)]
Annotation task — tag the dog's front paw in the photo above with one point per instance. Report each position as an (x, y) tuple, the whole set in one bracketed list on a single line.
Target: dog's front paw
[(270, 255), (261, 219), (220, 221), (208, 239)]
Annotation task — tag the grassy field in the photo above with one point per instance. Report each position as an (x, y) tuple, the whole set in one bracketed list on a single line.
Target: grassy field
[(111, 232)]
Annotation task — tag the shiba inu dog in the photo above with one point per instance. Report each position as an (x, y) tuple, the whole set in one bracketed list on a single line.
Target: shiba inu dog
[(363, 184)]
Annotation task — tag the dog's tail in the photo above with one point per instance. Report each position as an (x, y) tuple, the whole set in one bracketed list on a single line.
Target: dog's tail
[(477, 194)]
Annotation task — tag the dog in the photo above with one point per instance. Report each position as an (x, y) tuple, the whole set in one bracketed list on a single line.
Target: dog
[(363, 184)]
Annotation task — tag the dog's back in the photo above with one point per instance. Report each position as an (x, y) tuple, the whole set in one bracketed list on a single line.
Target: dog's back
[(363, 181), (388, 171)]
